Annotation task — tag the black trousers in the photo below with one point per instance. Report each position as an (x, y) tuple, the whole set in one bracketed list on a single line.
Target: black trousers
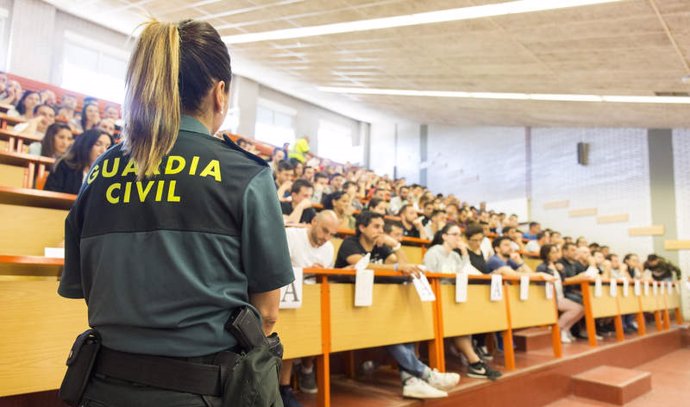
[(107, 392)]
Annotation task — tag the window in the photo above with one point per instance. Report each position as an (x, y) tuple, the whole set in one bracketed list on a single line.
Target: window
[(93, 68), (275, 123), (4, 17), (335, 143)]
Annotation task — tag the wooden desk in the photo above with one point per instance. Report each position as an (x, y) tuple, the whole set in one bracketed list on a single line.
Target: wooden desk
[(35, 165), (16, 141), (7, 120), (29, 267), (38, 329), (300, 329), (36, 198)]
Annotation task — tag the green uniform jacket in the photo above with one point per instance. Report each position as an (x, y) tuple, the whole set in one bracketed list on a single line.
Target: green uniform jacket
[(164, 261)]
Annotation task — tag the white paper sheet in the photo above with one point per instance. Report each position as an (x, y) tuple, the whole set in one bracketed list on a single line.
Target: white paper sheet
[(496, 287), (549, 290), (364, 288), (524, 287), (421, 284), (291, 294), (461, 287)]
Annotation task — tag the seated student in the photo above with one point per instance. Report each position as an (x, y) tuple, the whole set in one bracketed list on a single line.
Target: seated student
[(90, 115), (399, 200), (309, 247), (419, 381), (299, 209), (335, 185), (485, 246), (320, 187), (534, 229), (412, 223), (576, 265), (44, 116), (308, 173), (70, 172), (378, 206), (506, 256), (350, 188), (515, 237), (277, 156), (436, 222), (11, 95), (107, 125), (342, 206), (284, 177), (56, 142), (443, 258), (25, 106), (661, 269), (571, 311), (534, 245), (619, 271), (632, 263)]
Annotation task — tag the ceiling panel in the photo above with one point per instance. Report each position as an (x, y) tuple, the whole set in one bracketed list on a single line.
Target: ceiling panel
[(619, 48)]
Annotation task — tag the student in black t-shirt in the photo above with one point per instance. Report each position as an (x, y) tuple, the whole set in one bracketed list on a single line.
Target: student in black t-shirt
[(412, 224), (370, 238), (419, 381), (299, 210)]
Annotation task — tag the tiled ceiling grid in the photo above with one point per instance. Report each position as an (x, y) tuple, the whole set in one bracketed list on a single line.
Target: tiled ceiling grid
[(618, 48)]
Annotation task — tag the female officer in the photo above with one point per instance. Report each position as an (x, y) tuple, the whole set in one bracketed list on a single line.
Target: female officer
[(173, 230)]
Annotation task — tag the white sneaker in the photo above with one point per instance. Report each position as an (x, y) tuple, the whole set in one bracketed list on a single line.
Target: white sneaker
[(443, 381), (419, 389), (565, 338)]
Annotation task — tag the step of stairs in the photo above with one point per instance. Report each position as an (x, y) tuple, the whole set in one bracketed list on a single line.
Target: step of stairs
[(612, 385), (532, 338)]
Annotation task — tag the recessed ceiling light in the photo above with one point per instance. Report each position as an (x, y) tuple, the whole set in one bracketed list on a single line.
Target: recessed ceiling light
[(510, 96), (430, 17)]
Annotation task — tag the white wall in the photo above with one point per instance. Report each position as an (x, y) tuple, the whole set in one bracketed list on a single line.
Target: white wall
[(32, 31), (681, 159), (477, 163), (382, 148), (407, 155), (615, 181)]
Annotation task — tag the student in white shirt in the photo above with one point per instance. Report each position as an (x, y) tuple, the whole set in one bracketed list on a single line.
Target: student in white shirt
[(309, 247)]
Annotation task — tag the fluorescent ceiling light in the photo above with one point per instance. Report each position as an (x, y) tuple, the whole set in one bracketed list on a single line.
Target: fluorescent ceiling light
[(510, 96), (430, 17)]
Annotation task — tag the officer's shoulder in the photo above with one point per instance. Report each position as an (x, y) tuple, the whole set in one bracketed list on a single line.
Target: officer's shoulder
[(248, 157)]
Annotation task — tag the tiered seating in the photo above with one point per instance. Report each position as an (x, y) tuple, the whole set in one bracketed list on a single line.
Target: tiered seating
[(39, 326)]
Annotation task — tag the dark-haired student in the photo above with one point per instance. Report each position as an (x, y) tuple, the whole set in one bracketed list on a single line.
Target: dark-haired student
[(571, 311), (299, 209), (70, 172), (55, 143), (419, 381), (448, 254)]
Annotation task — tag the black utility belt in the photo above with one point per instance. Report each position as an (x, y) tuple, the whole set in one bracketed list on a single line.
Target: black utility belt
[(167, 373), (247, 379)]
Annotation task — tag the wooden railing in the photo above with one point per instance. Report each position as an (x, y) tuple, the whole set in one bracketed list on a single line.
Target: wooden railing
[(606, 305)]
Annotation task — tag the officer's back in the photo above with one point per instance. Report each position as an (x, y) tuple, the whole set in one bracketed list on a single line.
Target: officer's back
[(173, 230)]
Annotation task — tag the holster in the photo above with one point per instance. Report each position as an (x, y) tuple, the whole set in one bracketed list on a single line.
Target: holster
[(254, 378), (80, 363)]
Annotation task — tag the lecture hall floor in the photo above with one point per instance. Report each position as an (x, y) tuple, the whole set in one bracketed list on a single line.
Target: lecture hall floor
[(664, 354)]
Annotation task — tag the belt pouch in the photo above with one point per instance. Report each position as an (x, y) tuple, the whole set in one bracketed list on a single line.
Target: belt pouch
[(80, 364)]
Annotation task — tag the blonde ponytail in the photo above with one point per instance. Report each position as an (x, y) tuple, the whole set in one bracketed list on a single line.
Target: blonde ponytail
[(152, 97)]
